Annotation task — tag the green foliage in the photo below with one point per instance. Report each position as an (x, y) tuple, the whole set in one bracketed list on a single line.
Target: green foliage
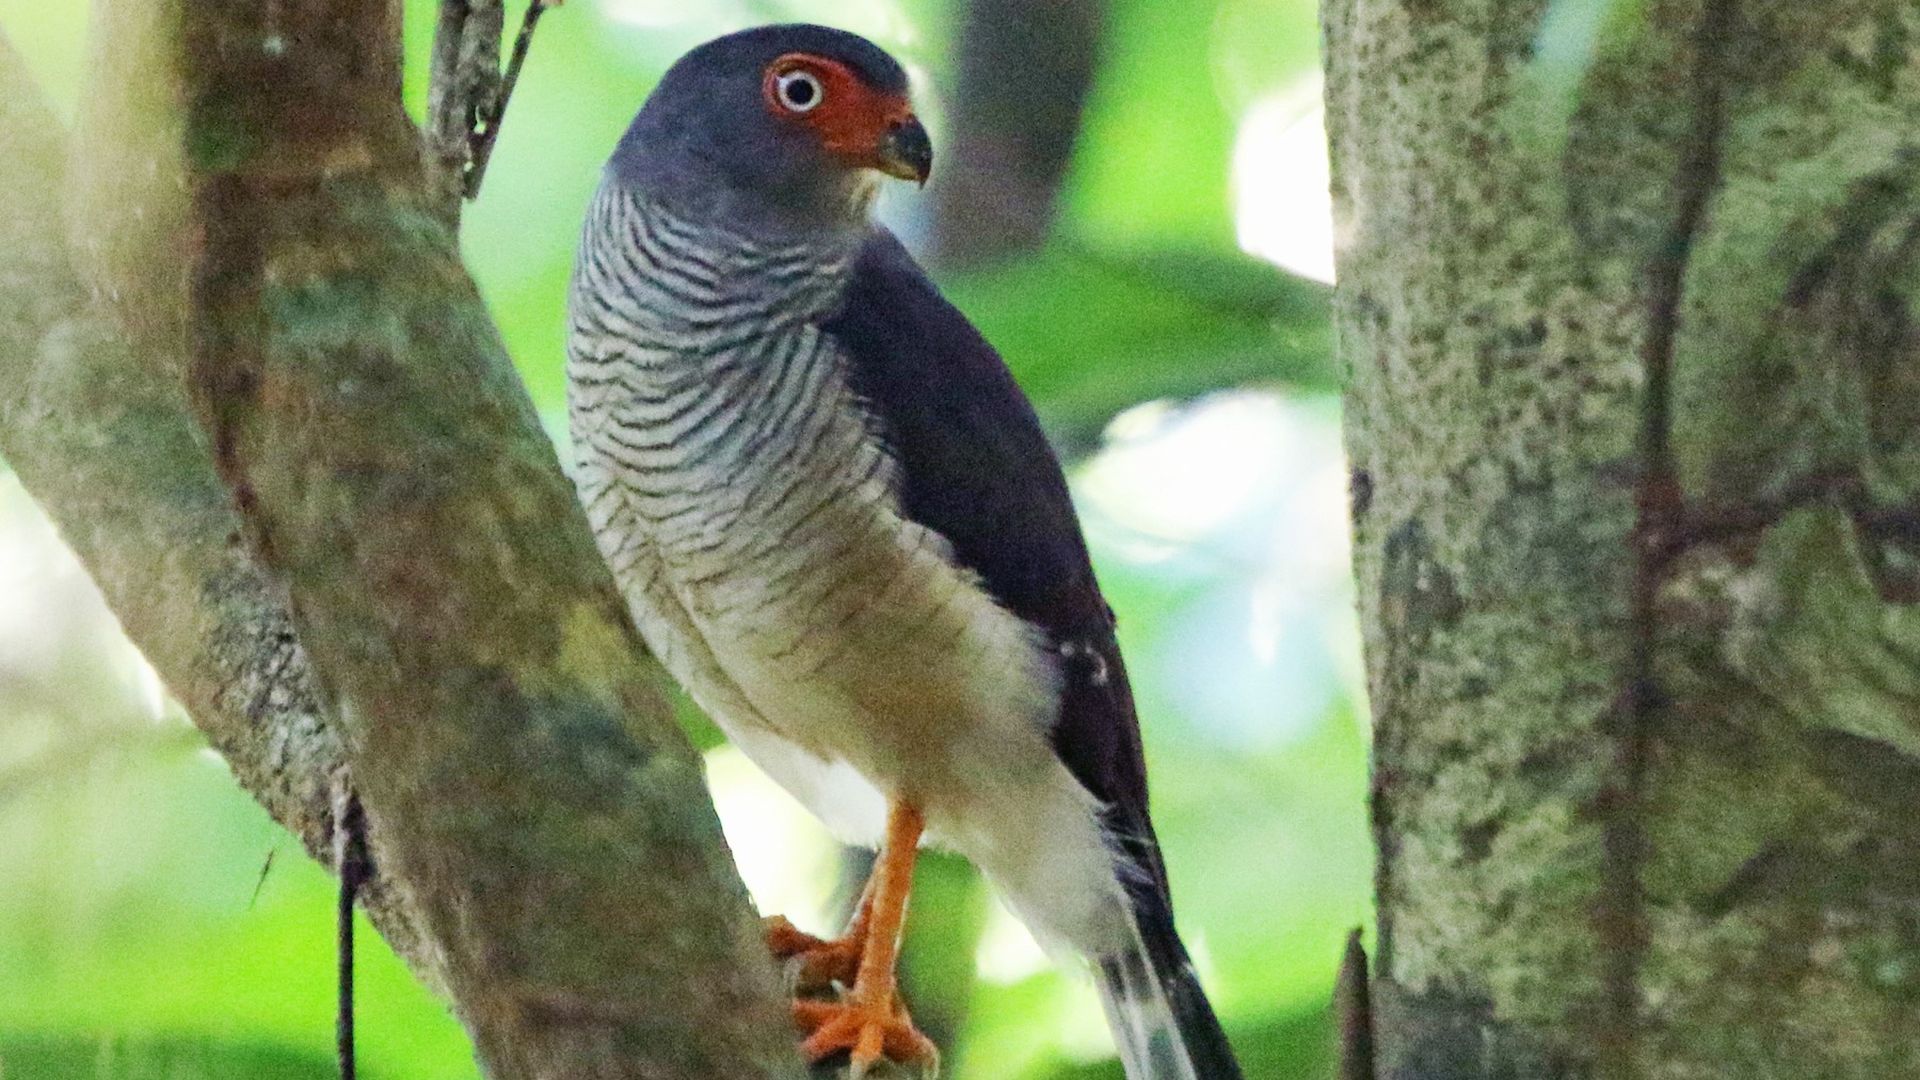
[(161, 1059), (132, 943), (132, 912), (1090, 333), (1160, 129)]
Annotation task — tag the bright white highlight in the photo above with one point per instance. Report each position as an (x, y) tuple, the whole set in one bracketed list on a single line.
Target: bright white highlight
[(1183, 474), (1281, 207), (51, 614), (1242, 495), (1008, 953), (785, 856)]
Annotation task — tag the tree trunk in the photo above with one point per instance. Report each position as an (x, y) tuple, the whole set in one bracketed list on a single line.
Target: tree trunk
[(1633, 410)]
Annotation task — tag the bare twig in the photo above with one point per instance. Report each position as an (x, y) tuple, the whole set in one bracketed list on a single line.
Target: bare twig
[(351, 863), (259, 883), (1353, 1012), (489, 128), (467, 95), (463, 83)]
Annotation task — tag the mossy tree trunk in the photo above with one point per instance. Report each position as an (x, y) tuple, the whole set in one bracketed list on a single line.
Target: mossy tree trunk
[(1633, 410)]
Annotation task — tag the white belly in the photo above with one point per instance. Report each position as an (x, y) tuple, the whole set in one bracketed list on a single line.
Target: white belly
[(854, 663)]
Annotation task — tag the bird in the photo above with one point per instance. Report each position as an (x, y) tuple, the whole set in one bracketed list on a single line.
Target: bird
[(839, 525)]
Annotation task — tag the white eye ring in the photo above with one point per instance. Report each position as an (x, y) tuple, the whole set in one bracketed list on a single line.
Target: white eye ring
[(799, 91)]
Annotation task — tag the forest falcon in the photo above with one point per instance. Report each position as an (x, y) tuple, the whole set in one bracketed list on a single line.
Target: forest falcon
[(839, 525)]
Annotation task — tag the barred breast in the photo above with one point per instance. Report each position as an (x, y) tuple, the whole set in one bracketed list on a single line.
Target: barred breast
[(752, 518)]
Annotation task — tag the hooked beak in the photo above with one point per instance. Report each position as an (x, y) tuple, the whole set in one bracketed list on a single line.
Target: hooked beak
[(906, 152)]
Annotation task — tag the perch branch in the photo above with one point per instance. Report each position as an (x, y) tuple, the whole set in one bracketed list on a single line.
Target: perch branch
[(508, 737), (99, 432)]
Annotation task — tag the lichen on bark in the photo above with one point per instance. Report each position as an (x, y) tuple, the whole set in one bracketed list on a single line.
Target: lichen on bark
[(1629, 319)]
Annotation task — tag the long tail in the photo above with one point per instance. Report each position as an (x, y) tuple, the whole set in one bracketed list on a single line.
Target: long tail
[(1161, 1021)]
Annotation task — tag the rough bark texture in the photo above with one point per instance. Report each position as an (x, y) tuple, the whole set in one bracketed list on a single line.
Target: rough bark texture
[(508, 741), (1625, 307), (95, 422), (545, 849), (465, 88)]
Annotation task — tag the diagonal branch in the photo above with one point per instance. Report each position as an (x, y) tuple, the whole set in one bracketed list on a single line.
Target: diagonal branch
[(508, 739), (101, 436), (464, 88), (468, 93)]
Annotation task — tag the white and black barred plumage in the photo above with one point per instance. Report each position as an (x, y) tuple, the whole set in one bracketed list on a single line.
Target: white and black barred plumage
[(839, 526)]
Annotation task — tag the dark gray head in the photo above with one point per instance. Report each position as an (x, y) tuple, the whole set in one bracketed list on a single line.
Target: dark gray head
[(784, 122)]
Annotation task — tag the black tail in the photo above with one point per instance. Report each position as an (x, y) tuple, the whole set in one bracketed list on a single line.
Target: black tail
[(1161, 1021)]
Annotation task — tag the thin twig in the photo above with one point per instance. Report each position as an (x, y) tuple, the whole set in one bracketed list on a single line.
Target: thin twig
[(352, 864), (450, 108), (1353, 1008), (1698, 527), (266, 867), (488, 128)]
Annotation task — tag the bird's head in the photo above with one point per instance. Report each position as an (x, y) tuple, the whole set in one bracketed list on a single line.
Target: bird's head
[(799, 118)]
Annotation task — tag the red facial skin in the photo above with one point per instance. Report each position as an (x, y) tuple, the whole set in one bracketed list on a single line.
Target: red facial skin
[(851, 119)]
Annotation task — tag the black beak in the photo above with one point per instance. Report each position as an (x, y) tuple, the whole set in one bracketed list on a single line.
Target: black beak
[(906, 152)]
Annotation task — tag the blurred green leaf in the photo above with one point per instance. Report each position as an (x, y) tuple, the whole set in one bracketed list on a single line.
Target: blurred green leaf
[(52, 39), (1154, 160), (1015, 1029), (130, 908), (1296, 1046), (1090, 333), (950, 904), (36, 1056)]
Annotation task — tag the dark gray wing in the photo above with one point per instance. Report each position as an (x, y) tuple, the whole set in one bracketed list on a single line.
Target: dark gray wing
[(977, 469)]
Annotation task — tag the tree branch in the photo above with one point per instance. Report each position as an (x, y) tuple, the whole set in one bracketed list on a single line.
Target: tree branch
[(101, 437), (464, 87), (1622, 909), (1025, 72), (538, 862), (509, 741), (1631, 390)]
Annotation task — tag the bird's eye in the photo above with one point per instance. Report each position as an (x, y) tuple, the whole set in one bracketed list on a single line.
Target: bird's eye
[(799, 91)]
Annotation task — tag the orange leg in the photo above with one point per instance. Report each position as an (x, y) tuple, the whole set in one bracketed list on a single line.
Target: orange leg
[(823, 961), (870, 1022)]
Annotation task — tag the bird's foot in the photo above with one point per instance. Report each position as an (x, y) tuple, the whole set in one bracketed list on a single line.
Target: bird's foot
[(815, 964), (865, 1030)]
